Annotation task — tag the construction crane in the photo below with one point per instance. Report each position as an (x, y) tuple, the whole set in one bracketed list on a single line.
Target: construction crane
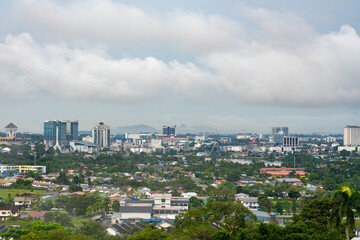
[(216, 143), (221, 142)]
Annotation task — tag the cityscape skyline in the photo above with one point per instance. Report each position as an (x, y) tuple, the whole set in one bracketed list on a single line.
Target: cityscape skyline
[(241, 67), (181, 129)]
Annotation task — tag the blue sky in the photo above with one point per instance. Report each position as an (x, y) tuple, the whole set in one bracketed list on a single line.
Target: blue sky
[(233, 65)]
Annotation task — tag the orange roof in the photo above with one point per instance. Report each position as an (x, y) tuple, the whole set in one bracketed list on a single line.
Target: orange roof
[(77, 193), (298, 183), (241, 185), (280, 169), (275, 173)]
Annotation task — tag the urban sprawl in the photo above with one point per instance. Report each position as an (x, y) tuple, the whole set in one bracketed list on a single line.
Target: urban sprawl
[(162, 185)]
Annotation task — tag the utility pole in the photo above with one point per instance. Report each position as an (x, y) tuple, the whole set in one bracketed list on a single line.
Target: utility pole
[(34, 158), (294, 163)]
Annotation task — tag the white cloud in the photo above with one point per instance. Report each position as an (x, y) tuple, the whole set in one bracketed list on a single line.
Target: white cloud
[(29, 68), (284, 63), (117, 23), (318, 72)]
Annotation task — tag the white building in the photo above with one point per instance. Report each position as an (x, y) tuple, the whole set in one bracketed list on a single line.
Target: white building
[(352, 136), (22, 168), (347, 148), (101, 135), (160, 206), (291, 142), (330, 139), (82, 146), (249, 202), (88, 138), (167, 208), (138, 135)]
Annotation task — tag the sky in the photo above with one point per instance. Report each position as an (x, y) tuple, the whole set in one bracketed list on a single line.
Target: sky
[(242, 66)]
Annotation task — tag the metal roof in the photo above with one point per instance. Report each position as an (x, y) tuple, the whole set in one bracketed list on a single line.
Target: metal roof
[(127, 209), (11, 125)]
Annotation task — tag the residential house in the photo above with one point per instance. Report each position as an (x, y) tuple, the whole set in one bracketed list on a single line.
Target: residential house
[(35, 214), (132, 214), (6, 212), (6, 182), (292, 181), (250, 202), (24, 200)]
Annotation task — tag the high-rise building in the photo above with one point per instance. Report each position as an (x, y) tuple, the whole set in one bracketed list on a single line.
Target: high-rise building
[(58, 133), (352, 136), (72, 130), (276, 130), (291, 142), (101, 135), (168, 131), (278, 133)]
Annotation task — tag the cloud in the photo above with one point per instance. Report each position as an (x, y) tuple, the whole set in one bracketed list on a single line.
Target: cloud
[(283, 62), (319, 72), (28, 68), (118, 23)]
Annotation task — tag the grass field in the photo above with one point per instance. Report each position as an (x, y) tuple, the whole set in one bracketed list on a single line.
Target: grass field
[(79, 220), (5, 192), (18, 222)]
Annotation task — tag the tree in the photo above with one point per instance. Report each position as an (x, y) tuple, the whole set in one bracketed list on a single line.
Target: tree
[(32, 174), (115, 206), (346, 202), (318, 210), (61, 233), (225, 192), (62, 179), (40, 149), (38, 226), (76, 179), (89, 181), (222, 195), (74, 188), (264, 203), (58, 217), (233, 176), (81, 178), (279, 207), (22, 184), (93, 230), (344, 153), (46, 205), (228, 216), (149, 234), (106, 204), (195, 203)]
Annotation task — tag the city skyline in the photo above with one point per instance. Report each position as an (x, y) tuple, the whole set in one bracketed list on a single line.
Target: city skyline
[(243, 67)]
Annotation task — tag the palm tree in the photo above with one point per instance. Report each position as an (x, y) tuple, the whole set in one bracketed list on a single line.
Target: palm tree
[(348, 205)]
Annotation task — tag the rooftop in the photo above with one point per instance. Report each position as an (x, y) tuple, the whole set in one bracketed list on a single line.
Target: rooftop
[(11, 125), (126, 209)]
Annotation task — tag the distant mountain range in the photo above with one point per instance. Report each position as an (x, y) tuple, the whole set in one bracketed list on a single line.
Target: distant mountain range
[(181, 129), (136, 129)]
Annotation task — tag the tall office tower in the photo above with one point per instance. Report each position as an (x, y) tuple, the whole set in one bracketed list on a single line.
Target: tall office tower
[(168, 131), (284, 130), (72, 130), (279, 133), (290, 142), (101, 135), (54, 133), (352, 136)]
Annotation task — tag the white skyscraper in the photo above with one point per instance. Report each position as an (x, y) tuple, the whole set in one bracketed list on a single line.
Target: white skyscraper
[(101, 135), (352, 136)]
